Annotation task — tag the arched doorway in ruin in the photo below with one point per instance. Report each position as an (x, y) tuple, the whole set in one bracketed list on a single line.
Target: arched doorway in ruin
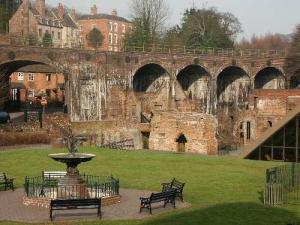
[(269, 78), (181, 143), (233, 86), (196, 82)]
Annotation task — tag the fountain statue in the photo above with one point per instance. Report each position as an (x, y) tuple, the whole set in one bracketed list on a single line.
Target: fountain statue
[(72, 159)]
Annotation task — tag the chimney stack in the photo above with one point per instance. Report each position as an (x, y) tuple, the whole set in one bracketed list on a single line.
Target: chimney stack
[(61, 10), (94, 10), (114, 12), (25, 2), (40, 6)]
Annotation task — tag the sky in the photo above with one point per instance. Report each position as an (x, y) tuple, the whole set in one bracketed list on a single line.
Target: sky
[(256, 16)]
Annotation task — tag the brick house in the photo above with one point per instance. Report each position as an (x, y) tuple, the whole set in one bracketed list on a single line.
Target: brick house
[(26, 85), (112, 27), (33, 21)]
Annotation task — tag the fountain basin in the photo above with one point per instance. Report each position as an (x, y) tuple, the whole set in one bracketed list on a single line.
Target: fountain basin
[(75, 158)]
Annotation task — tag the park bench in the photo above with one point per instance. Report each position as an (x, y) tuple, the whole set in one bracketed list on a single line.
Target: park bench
[(53, 175), (175, 185), (166, 197), (70, 204), (8, 183)]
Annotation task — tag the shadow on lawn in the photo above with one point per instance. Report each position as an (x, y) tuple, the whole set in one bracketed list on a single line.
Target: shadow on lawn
[(228, 214)]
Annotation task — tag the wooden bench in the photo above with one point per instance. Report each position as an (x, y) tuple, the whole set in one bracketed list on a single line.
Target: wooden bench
[(166, 197), (69, 204), (53, 175), (174, 185), (8, 183)]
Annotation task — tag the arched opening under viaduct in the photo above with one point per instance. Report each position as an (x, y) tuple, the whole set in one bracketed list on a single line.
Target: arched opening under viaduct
[(233, 85), (150, 78), (195, 82), (151, 84), (269, 78), (21, 80)]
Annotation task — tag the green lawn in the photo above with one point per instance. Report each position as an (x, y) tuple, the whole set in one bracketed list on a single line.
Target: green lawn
[(222, 191)]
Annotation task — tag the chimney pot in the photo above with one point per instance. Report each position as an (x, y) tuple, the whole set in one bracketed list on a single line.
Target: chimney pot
[(114, 12), (40, 6), (94, 10)]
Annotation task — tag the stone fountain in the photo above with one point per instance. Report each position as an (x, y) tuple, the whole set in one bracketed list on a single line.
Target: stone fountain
[(72, 159)]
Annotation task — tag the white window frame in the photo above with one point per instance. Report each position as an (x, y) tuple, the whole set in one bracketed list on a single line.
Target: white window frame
[(123, 28), (20, 76), (110, 26), (110, 38), (110, 48), (48, 75), (30, 93), (31, 76), (115, 39), (115, 27)]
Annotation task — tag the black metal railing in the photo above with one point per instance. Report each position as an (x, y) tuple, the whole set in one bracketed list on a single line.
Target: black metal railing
[(91, 187)]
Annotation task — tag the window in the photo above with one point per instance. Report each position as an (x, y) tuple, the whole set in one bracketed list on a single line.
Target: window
[(123, 28), (40, 33), (115, 49), (20, 76), (53, 34), (30, 93), (115, 27), (110, 48), (110, 39), (248, 130), (31, 76), (48, 76), (116, 39), (110, 26), (130, 28), (58, 35)]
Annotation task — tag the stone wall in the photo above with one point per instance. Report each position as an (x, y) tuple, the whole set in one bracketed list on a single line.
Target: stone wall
[(199, 130)]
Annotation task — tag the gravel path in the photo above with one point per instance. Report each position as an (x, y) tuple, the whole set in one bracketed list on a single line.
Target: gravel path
[(12, 208)]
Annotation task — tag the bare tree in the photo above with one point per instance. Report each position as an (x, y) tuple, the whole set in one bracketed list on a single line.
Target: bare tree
[(154, 13)]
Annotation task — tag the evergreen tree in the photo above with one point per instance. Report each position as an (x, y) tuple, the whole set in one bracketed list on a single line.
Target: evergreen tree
[(95, 38), (47, 40), (206, 28)]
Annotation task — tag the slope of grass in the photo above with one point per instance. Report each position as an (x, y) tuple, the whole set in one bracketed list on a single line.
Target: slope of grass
[(222, 190)]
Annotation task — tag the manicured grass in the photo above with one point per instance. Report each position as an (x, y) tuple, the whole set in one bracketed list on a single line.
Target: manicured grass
[(222, 191)]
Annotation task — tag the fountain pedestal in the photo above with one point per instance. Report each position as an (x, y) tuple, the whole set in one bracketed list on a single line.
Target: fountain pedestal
[(72, 185)]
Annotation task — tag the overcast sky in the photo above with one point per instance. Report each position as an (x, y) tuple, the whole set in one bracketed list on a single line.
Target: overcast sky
[(256, 16)]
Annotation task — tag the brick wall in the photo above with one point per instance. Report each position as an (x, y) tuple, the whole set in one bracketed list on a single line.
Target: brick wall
[(45, 202)]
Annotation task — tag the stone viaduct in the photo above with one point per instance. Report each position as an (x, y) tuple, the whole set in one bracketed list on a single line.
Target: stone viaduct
[(164, 100)]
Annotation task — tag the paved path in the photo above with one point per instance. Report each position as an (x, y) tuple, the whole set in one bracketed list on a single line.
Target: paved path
[(12, 208)]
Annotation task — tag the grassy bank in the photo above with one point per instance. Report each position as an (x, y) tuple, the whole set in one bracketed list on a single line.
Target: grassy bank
[(222, 191)]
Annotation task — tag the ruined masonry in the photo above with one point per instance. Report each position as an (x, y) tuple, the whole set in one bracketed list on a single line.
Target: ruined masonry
[(169, 102)]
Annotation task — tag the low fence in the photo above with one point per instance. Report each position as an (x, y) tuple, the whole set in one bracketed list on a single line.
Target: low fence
[(282, 185), (91, 187), (164, 48)]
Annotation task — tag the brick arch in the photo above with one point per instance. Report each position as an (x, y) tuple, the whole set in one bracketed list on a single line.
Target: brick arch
[(225, 66), (277, 67), (140, 84), (184, 66), (147, 62), (264, 68)]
